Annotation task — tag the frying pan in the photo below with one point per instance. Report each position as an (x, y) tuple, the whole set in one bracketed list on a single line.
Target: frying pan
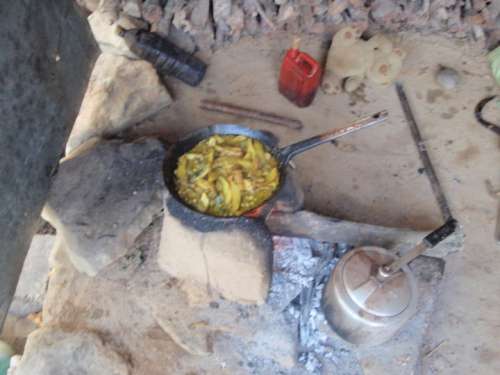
[(283, 155)]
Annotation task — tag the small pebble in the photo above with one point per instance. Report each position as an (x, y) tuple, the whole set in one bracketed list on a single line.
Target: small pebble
[(447, 78)]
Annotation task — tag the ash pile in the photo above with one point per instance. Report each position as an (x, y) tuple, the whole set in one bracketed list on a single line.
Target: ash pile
[(301, 269)]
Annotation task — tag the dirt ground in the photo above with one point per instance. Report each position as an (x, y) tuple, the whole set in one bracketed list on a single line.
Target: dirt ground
[(373, 176)]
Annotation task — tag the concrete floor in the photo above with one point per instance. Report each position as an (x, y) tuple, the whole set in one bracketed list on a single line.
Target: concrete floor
[(373, 177)]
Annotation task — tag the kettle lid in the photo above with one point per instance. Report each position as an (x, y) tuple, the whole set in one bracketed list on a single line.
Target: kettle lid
[(387, 297)]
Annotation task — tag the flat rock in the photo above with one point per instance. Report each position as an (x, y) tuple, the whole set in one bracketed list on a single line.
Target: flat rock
[(103, 197), (32, 284), (120, 93), (52, 351)]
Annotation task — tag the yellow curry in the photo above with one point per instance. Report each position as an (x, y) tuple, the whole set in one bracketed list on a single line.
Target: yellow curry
[(226, 175)]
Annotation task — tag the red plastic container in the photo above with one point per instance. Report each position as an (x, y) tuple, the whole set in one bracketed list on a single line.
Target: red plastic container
[(300, 77)]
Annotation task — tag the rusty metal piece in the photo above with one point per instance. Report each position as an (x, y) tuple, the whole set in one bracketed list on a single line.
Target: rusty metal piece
[(423, 154), (479, 116), (231, 109)]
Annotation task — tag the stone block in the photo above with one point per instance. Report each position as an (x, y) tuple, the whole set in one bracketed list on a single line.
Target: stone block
[(231, 262), (103, 198)]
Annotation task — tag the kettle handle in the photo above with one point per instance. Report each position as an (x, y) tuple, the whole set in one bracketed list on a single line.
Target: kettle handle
[(431, 240)]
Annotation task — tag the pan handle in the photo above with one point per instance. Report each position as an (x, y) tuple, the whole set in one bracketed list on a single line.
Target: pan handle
[(288, 152)]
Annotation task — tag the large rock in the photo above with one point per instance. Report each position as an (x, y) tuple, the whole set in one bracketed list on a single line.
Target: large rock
[(103, 198), (121, 93), (231, 261), (47, 53), (32, 283), (105, 29), (52, 351)]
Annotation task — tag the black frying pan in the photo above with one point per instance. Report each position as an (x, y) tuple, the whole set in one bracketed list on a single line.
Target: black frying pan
[(283, 155)]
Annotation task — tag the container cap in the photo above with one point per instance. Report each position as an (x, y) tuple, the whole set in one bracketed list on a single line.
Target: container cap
[(382, 298)]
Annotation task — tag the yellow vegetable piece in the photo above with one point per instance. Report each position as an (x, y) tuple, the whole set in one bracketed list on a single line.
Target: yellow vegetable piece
[(193, 156), (237, 177), (204, 202), (248, 185), (225, 189), (230, 151), (273, 175), (202, 173), (235, 197), (250, 150), (204, 184), (181, 172)]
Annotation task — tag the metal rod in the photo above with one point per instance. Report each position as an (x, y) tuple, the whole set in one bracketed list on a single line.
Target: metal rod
[(231, 109), (423, 154)]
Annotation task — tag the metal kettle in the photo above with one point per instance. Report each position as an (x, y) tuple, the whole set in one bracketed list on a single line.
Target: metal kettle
[(372, 292)]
